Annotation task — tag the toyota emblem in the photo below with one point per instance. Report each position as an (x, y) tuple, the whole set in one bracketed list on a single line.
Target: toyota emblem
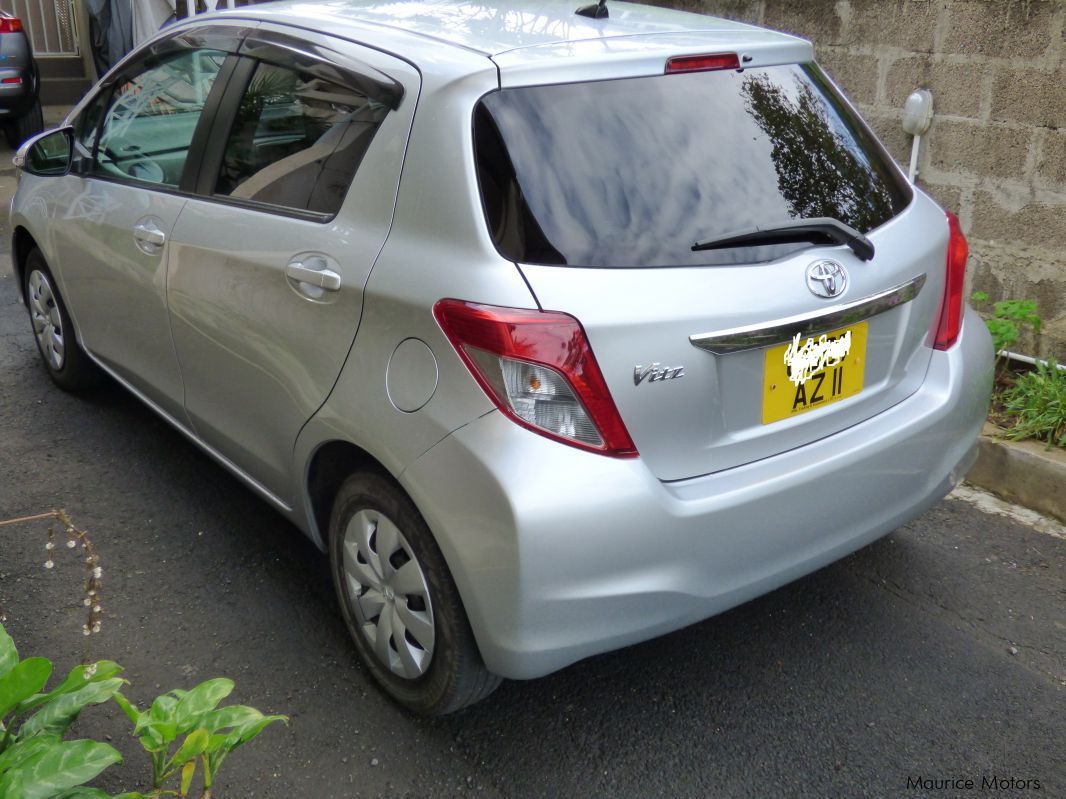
[(827, 279)]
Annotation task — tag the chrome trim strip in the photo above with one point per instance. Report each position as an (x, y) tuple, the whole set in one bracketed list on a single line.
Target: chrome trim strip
[(750, 337)]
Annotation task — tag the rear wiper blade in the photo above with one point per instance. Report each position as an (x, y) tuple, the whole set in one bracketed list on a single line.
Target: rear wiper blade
[(817, 229)]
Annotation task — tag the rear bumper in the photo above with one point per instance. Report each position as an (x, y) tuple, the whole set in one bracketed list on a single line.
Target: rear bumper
[(561, 554), (17, 98)]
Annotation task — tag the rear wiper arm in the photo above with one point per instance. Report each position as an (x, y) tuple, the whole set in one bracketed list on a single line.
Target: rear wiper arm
[(817, 230)]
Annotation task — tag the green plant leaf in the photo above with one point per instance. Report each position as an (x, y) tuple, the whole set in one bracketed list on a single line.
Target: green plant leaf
[(246, 732), (1004, 332), (1037, 401), (23, 750), (58, 714), (23, 681), (220, 746), (74, 681), (191, 748), (250, 731), (153, 741), (60, 767), (230, 716), (128, 707), (201, 699), (155, 727), (161, 713), (9, 656), (979, 296)]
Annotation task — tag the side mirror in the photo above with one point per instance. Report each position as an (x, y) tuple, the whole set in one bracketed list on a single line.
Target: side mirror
[(47, 153)]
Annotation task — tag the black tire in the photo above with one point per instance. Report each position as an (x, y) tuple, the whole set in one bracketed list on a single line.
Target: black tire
[(71, 370), (21, 128), (456, 675)]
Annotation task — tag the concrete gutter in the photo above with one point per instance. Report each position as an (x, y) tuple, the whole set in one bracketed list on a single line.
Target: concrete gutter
[(1023, 472)]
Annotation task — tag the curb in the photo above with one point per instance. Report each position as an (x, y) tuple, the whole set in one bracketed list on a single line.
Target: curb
[(1023, 472)]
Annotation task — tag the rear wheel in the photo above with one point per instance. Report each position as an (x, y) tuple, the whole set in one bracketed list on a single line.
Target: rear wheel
[(66, 362), (21, 128), (399, 601)]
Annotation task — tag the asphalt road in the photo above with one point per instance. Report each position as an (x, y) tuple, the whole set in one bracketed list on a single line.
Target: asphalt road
[(937, 653)]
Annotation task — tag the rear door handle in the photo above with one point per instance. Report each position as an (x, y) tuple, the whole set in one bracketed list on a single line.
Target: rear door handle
[(149, 233), (315, 272)]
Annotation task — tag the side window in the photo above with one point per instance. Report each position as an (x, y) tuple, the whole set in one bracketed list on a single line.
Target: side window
[(297, 140), (150, 123)]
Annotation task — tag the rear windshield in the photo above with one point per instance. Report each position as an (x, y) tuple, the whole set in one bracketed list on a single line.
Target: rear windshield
[(633, 172)]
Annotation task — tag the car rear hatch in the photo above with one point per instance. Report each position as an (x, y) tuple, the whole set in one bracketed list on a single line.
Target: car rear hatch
[(599, 191)]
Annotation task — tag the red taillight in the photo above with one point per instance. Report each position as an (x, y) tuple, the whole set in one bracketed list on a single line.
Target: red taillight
[(11, 81), (947, 329), (538, 368), (702, 63), (10, 24)]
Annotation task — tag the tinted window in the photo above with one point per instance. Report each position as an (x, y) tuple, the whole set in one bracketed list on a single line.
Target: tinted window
[(150, 123), (297, 141), (634, 172)]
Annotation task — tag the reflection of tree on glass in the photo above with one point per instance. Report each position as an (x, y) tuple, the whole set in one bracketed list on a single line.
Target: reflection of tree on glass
[(818, 173)]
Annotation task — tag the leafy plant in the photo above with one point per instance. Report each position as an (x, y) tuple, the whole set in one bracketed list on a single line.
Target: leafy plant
[(1038, 401), (208, 734), (1009, 318), (35, 761)]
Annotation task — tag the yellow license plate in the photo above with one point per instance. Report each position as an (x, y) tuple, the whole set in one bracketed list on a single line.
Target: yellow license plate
[(827, 367)]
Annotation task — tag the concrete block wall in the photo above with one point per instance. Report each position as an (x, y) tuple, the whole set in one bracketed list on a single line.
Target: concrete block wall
[(996, 154)]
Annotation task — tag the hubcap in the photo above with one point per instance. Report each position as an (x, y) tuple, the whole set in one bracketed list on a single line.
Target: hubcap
[(47, 323), (388, 594)]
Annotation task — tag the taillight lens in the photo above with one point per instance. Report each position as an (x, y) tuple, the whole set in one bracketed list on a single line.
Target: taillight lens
[(538, 367), (702, 63), (947, 330), (10, 24)]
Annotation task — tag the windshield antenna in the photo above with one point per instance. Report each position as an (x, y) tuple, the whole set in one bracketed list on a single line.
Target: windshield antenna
[(598, 11)]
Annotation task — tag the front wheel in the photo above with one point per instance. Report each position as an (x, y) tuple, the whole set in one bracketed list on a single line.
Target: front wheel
[(66, 362), (399, 601)]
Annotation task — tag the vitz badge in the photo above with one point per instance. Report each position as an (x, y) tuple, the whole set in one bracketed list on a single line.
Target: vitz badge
[(655, 373)]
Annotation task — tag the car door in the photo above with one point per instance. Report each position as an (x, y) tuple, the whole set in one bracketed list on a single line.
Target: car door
[(268, 265), (133, 149)]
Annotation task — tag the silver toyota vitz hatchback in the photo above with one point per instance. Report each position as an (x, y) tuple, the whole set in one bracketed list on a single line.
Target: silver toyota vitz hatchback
[(559, 329)]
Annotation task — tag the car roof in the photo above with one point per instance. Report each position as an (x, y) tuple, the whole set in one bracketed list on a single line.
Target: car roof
[(493, 29)]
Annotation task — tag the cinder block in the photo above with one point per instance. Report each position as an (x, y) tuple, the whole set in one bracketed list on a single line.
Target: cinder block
[(1034, 224), (1030, 96), (955, 87), (949, 197), (817, 20), (1052, 163), (978, 149), (739, 10), (1011, 270), (909, 24), (1053, 339), (889, 130), (999, 29), (856, 74)]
